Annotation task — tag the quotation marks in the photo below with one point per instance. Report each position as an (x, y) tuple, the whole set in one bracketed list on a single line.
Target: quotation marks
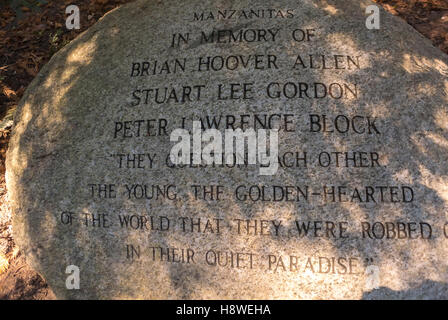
[(369, 261), (73, 20), (373, 20)]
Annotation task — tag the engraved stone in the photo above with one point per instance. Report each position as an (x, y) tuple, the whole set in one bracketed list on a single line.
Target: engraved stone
[(357, 208)]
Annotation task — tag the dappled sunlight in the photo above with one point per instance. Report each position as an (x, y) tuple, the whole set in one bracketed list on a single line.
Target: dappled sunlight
[(331, 9), (419, 64), (438, 139), (425, 141), (62, 80), (83, 53), (79, 56), (326, 5), (347, 44), (446, 90), (15, 149), (426, 89), (441, 117), (380, 111), (422, 252), (440, 66), (356, 212), (404, 176), (411, 64), (418, 139), (439, 184)]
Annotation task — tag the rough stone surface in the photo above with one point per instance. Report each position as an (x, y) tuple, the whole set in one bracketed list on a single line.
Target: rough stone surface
[(64, 142)]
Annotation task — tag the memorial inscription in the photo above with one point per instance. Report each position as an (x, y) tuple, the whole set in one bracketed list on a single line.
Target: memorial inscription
[(356, 208)]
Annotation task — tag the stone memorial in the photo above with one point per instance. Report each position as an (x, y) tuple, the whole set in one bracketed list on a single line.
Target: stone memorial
[(349, 201)]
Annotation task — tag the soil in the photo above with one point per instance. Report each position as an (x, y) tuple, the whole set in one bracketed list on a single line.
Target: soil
[(26, 44)]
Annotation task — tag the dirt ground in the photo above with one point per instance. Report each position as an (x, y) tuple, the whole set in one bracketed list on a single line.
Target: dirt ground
[(26, 44)]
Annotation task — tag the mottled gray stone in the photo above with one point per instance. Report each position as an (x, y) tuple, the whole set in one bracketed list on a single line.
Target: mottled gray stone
[(63, 140)]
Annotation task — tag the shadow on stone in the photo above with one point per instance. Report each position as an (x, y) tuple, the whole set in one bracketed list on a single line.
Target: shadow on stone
[(427, 290)]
